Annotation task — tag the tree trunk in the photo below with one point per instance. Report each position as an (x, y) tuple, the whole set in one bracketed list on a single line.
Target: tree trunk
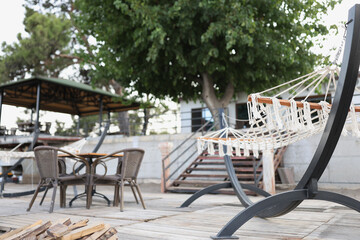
[(210, 99), (146, 121), (123, 117), (124, 124)]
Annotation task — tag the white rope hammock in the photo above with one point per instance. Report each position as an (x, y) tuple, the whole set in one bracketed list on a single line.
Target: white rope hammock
[(275, 122)]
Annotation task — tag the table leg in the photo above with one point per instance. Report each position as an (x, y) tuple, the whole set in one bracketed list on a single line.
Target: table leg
[(94, 193)]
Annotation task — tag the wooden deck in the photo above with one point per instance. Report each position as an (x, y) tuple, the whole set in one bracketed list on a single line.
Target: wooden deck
[(164, 220)]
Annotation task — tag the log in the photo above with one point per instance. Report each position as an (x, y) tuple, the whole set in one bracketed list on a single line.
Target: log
[(96, 235), (18, 230), (110, 233), (81, 232), (61, 229), (62, 222), (33, 232)]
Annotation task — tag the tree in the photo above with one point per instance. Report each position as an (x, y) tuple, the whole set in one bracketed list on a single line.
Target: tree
[(47, 51), (85, 54), (201, 49), (39, 53)]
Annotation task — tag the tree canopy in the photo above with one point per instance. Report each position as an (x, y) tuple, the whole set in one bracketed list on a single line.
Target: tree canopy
[(53, 42), (201, 49), (38, 53)]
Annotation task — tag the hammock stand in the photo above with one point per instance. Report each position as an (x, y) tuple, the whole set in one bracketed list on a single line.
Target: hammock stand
[(275, 123), (307, 188), (331, 124)]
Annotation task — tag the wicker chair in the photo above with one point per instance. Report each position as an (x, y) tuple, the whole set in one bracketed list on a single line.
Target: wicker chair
[(126, 173), (52, 174)]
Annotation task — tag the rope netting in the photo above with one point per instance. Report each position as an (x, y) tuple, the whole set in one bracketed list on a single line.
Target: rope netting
[(275, 122)]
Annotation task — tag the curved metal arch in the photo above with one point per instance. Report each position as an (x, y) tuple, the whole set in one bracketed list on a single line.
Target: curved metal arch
[(338, 113), (295, 195), (215, 187)]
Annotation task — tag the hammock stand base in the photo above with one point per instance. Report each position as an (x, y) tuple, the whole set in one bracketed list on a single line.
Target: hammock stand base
[(307, 188)]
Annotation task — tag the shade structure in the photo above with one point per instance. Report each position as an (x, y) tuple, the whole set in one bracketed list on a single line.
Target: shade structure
[(64, 96)]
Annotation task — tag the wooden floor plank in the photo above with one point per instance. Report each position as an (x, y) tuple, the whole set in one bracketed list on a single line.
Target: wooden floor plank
[(163, 219)]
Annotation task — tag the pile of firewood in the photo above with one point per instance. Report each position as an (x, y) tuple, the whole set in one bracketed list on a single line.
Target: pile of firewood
[(63, 230)]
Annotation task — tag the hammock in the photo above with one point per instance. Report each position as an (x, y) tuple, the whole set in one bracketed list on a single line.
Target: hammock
[(275, 122)]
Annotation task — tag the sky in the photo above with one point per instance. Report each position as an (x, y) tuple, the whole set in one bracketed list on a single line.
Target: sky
[(12, 16), (11, 23)]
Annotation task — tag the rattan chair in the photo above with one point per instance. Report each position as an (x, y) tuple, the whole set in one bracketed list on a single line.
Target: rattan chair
[(129, 161), (51, 170)]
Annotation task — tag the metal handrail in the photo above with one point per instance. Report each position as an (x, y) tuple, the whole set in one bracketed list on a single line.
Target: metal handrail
[(188, 138), (256, 167), (168, 166), (182, 164), (180, 155)]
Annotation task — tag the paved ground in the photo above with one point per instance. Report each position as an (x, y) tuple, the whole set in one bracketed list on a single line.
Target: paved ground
[(164, 220)]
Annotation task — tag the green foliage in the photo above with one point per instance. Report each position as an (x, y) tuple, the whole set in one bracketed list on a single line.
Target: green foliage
[(37, 54), (163, 47), (86, 125), (61, 130)]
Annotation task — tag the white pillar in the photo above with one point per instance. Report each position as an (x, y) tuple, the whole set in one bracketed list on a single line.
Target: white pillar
[(165, 149), (268, 171)]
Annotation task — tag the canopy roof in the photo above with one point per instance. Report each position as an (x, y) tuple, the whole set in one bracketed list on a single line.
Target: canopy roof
[(61, 95)]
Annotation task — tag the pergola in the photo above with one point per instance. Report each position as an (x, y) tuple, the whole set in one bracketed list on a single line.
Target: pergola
[(61, 95)]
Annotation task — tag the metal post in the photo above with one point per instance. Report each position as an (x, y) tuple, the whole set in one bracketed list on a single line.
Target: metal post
[(221, 123), (103, 135), (31, 114), (37, 109), (243, 198), (1, 101), (100, 115), (78, 126)]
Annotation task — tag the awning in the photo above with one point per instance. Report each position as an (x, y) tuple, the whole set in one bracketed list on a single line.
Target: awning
[(64, 96)]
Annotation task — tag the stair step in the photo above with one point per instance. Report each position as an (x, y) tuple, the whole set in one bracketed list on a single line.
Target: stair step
[(222, 163), (243, 162), (207, 170), (213, 157), (216, 153), (250, 169), (239, 176), (228, 191), (204, 182)]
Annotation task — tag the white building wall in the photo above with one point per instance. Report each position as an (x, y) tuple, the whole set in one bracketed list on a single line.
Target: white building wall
[(186, 107), (343, 168)]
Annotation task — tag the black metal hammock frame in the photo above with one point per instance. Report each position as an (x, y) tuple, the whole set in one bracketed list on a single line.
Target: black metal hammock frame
[(307, 188)]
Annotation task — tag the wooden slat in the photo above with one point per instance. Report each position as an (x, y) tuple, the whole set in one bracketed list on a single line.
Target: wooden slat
[(287, 103), (235, 164), (237, 169), (239, 176), (98, 234), (32, 232), (19, 230), (63, 222), (59, 230), (222, 158), (109, 234), (81, 232)]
